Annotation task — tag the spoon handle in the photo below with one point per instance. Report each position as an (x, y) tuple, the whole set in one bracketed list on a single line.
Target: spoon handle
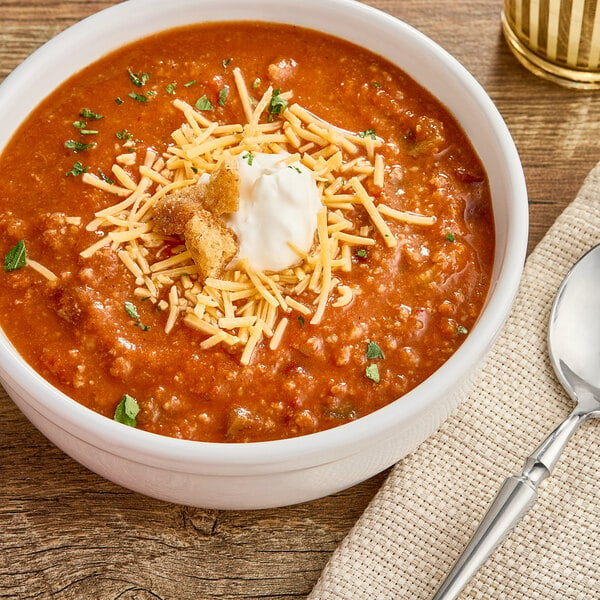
[(516, 496)]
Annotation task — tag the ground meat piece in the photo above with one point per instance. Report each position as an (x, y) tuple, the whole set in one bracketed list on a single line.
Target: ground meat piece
[(281, 70), (86, 308), (239, 420), (342, 355), (12, 225), (306, 422), (64, 365), (57, 232), (71, 302), (312, 347), (429, 137), (121, 367)]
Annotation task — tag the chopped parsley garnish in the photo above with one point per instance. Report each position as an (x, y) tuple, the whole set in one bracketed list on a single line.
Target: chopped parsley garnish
[(138, 97), (86, 113), (131, 310), (295, 168), (248, 157), (256, 83), (361, 254), (127, 410), (223, 95), (118, 101), (368, 133), (226, 62), (203, 103), (462, 330), (189, 83), (77, 147), (277, 105), (373, 353), (138, 80), (450, 237), (171, 88), (301, 320), (373, 350), (105, 177), (124, 135), (376, 84), (82, 126), (77, 169), (372, 372), (16, 257)]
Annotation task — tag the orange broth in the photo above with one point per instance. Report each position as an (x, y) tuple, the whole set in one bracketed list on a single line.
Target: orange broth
[(416, 300)]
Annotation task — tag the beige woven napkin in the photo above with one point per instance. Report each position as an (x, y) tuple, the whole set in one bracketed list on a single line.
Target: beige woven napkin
[(419, 522)]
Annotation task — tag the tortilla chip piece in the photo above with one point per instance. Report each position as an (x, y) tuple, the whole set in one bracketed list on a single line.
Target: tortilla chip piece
[(211, 243)]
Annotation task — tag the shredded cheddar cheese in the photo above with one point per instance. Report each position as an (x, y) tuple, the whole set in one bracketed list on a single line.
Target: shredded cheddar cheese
[(245, 306)]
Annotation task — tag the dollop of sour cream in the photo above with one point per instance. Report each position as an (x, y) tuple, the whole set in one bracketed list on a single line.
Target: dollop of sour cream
[(278, 205)]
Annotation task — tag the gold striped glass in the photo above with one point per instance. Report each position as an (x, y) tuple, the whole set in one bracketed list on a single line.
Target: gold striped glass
[(556, 39)]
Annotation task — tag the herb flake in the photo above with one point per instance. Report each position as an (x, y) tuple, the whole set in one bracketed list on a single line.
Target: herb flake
[(16, 257), (450, 237), (368, 133), (203, 103), (373, 350), (372, 372), (124, 135), (82, 126), (86, 113), (105, 177), (138, 80), (223, 96), (127, 410), (77, 147), (171, 88), (138, 97), (78, 169), (131, 310), (249, 158), (461, 330), (277, 105)]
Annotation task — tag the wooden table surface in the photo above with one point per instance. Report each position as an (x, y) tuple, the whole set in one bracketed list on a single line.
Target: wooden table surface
[(65, 533)]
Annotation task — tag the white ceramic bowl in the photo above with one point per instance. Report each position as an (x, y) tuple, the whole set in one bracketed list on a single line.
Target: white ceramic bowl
[(267, 474)]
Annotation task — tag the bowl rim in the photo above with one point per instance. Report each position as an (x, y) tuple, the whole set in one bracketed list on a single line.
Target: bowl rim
[(323, 446)]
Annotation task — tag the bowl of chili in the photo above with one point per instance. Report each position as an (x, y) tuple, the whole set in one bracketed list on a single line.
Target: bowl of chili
[(368, 338)]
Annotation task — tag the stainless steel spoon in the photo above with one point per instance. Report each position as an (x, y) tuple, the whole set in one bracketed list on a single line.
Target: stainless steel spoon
[(574, 348)]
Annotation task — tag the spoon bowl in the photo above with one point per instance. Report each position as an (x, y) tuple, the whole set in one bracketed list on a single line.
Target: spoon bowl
[(574, 331), (574, 349)]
